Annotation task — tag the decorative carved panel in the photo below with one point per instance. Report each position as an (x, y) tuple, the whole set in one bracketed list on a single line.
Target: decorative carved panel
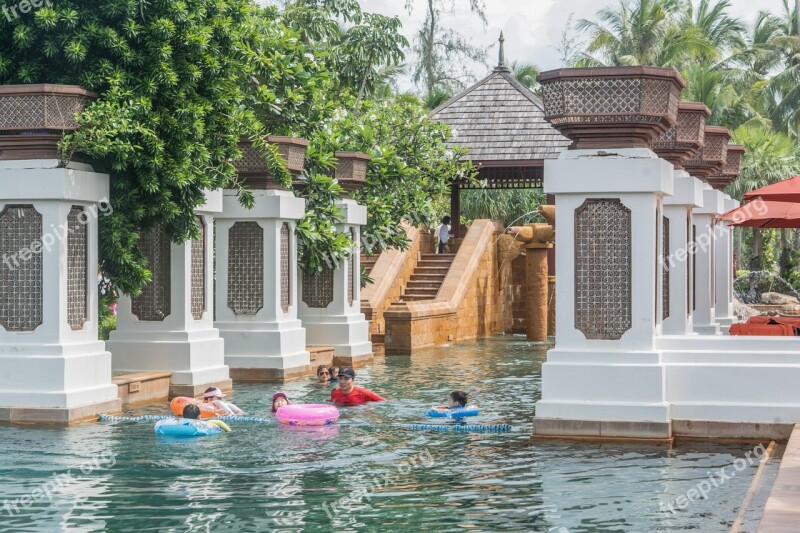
[(603, 269), (21, 275), (246, 268), (199, 272), (694, 267), (154, 303), (77, 268), (286, 267), (318, 289), (665, 271), (353, 277)]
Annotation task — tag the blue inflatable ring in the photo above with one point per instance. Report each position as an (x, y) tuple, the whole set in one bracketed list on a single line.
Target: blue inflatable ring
[(184, 427), (459, 412)]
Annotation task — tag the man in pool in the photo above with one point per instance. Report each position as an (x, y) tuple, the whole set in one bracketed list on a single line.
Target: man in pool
[(349, 393)]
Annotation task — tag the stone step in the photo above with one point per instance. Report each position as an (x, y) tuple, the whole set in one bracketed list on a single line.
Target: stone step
[(431, 270), (416, 298), (427, 277), (421, 291), (433, 263), (448, 257), (424, 284)]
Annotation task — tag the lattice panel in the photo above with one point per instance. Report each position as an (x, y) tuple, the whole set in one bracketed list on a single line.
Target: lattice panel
[(154, 303), (21, 306), (294, 156), (689, 267), (351, 169), (609, 99), (286, 267), (246, 268), (531, 177), (251, 160), (318, 289), (39, 111), (353, 277), (77, 267), (198, 288), (603, 269), (665, 270), (694, 267), (733, 163), (715, 148)]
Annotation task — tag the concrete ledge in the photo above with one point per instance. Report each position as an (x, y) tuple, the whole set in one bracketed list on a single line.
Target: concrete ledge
[(353, 360), (561, 428), (270, 375), (782, 510), (320, 355), (193, 391), (142, 388), (718, 430), (58, 416)]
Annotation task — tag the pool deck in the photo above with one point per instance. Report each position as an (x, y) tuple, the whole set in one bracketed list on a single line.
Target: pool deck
[(782, 510)]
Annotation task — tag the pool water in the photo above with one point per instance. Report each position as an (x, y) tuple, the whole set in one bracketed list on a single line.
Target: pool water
[(367, 475)]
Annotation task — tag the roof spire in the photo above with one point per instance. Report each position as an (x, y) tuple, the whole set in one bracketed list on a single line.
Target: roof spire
[(501, 62)]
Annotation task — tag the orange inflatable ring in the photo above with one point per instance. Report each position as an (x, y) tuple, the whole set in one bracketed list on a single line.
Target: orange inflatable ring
[(207, 410)]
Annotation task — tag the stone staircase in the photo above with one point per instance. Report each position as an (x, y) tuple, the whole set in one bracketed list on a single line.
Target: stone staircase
[(368, 262), (427, 277)]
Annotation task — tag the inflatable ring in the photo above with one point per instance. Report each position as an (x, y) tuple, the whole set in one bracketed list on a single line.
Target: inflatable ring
[(184, 427), (309, 414), (207, 410), (459, 412)]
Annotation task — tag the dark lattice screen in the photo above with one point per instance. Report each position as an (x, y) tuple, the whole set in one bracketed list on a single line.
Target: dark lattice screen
[(603, 269), (153, 304), (353, 277), (318, 289), (77, 275), (665, 270), (246, 268), (286, 267), (199, 272), (21, 270)]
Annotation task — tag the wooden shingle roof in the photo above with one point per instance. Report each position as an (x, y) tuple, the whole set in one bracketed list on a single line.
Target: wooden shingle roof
[(499, 119)]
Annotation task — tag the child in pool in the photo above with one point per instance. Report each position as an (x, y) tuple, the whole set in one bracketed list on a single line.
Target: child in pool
[(279, 399), (215, 396), (192, 412), (334, 374), (457, 400)]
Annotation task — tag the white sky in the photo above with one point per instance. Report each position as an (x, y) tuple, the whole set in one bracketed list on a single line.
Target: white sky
[(532, 28)]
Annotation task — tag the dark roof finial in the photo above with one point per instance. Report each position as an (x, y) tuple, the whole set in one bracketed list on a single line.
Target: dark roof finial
[(501, 62)]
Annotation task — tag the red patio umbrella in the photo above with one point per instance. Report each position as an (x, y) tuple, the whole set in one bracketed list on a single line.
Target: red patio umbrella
[(783, 191), (764, 214)]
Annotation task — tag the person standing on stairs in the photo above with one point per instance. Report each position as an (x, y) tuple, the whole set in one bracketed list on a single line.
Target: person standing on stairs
[(444, 235)]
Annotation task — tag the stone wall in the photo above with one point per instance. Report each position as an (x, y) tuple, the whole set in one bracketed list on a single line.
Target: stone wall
[(391, 274), (469, 304)]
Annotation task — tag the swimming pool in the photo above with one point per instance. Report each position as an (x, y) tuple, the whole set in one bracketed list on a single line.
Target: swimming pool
[(369, 476)]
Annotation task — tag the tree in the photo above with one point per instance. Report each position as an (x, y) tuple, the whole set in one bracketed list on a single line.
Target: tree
[(525, 73), (442, 52)]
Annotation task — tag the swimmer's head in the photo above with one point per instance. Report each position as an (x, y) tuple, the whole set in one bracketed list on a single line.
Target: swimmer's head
[(458, 398), (279, 399), (191, 411)]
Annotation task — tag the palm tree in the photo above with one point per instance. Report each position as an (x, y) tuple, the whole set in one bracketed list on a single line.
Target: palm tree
[(712, 21), (642, 32), (770, 156), (525, 73)]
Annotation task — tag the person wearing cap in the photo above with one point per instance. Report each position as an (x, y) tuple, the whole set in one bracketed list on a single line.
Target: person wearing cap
[(349, 393), (279, 399), (214, 395)]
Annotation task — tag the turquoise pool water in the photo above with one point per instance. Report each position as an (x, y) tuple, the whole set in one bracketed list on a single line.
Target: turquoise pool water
[(372, 477)]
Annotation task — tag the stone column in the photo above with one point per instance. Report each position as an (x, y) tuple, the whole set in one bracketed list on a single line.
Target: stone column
[(538, 240), (678, 290), (604, 378), (256, 287), (330, 302), (704, 246), (170, 327), (53, 369)]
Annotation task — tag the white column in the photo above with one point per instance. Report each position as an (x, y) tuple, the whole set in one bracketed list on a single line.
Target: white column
[(687, 194), (723, 284), (182, 340), (704, 292), (52, 366), (335, 319), (604, 366), (256, 287)]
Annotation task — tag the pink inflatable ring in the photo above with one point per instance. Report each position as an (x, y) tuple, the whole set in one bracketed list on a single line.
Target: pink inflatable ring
[(308, 414)]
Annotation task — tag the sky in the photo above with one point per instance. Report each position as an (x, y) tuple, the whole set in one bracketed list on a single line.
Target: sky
[(532, 28)]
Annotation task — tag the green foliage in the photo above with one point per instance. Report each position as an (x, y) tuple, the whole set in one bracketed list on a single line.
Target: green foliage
[(410, 167), (106, 315), (511, 207)]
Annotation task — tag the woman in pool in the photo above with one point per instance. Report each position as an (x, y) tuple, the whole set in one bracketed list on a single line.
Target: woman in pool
[(214, 395), (323, 374)]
